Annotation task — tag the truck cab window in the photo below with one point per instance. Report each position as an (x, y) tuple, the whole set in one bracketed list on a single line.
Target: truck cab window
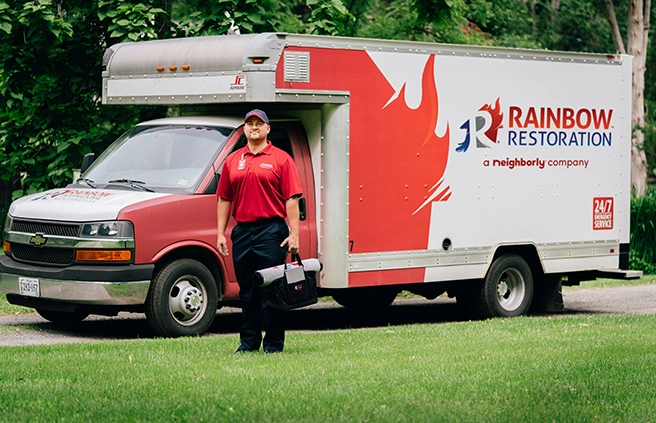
[(279, 138), (164, 158)]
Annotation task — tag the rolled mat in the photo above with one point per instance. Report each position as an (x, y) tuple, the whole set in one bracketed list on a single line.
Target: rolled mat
[(266, 276)]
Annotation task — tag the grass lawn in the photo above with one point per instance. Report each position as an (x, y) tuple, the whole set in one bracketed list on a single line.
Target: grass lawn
[(6, 308), (529, 369), (614, 283)]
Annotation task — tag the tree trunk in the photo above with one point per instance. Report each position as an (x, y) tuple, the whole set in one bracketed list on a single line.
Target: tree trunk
[(615, 30), (637, 41), (637, 48)]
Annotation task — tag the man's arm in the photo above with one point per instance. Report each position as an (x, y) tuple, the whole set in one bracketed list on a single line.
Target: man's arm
[(293, 221), (222, 215)]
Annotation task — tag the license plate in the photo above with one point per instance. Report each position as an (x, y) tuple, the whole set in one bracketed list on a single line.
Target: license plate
[(29, 287)]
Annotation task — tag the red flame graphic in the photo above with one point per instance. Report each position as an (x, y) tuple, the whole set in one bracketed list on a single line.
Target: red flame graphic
[(497, 118), (396, 162)]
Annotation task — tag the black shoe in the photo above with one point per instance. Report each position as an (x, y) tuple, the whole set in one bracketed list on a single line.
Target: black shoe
[(245, 350), (272, 351)]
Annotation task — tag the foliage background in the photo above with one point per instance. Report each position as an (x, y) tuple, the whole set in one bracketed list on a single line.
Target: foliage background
[(51, 57)]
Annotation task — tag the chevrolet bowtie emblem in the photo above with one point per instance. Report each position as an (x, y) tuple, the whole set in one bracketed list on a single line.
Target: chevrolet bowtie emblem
[(38, 240)]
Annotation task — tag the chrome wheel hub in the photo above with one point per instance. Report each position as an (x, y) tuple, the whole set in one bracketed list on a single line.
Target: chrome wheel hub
[(186, 300)]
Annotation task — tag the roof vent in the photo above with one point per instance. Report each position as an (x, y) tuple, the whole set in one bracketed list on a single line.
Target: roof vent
[(297, 66)]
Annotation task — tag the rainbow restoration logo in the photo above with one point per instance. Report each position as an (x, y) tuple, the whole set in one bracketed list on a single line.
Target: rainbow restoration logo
[(566, 129)]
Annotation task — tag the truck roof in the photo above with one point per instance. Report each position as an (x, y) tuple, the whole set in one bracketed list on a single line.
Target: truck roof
[(223, 121), (242, 68)]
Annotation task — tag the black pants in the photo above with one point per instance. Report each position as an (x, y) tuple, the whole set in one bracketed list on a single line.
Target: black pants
[(256, 246)]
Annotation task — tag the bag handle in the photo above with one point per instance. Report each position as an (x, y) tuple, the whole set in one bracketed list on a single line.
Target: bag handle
[(297, 257)]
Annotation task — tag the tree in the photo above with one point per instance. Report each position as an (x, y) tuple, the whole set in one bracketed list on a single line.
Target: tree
[(637, 43), (50, 65)]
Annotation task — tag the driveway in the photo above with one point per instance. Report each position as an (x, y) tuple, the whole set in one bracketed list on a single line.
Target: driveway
[(33, 330)]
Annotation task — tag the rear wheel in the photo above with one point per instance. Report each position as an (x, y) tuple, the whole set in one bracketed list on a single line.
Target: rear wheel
[(507, 289), (182, 300), (63, 317)]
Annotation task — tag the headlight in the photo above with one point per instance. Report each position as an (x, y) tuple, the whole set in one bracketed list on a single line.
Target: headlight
[(8, 221), (112, 229)]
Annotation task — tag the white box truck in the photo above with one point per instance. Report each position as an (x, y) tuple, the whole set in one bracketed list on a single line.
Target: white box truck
[(491, 174)]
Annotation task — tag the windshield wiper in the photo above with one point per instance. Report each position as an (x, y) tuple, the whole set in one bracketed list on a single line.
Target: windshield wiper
[(132, 183), (87, 181)]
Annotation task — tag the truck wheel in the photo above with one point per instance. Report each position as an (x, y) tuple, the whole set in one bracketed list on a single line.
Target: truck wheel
[(63, 318), (507, 288), (182, 299), (365, 298)]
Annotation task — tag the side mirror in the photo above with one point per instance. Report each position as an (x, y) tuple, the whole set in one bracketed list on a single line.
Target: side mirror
[(302, 208), (87, 160)]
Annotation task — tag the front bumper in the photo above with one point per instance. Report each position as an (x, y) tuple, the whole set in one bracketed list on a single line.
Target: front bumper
[(94, 285)]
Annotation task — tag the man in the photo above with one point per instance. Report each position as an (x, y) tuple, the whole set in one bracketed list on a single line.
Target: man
[(260, 184)]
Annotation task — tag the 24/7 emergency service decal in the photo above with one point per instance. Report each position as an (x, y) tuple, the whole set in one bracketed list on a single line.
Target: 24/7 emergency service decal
[(602, 215)]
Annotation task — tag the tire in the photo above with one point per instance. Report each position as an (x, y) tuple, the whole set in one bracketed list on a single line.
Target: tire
[(64, 318), (507, 289), (182, 299), (365, 298)]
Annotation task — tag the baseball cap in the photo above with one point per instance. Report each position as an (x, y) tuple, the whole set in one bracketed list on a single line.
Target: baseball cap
[(258, 114)]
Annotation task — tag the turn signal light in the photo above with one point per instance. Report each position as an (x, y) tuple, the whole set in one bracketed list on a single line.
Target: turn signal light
[(185, 67), (103, 255), (7, 247), (172, 68), (160, 68)]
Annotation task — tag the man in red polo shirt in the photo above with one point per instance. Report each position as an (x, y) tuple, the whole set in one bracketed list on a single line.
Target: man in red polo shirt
[(260, 184)]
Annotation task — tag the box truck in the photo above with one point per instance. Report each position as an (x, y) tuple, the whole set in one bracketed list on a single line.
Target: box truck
[(494, 175)]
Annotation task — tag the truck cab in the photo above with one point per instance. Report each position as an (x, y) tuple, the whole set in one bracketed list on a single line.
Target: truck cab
[(137, 231)]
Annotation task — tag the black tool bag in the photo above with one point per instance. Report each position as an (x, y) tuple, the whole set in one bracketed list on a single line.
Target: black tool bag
[(296, 287)]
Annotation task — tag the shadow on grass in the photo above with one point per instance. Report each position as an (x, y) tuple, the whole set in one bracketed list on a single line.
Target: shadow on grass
[(320, 317), (323, 316)]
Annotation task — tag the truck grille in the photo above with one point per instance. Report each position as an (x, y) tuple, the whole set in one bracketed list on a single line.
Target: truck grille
[(54, 256), (45, 228)]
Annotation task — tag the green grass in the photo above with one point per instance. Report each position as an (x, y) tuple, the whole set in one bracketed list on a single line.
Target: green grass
[(614, 283), (6, 308), (530, 369)]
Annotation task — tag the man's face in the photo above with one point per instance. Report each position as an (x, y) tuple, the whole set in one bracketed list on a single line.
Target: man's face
[(255, 129)]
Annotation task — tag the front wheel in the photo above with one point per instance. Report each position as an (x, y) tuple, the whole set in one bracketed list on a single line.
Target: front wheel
[(182, 299), (507, 290)]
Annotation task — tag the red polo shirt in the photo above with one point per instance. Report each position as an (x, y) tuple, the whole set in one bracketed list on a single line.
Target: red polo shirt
[(260, 185)]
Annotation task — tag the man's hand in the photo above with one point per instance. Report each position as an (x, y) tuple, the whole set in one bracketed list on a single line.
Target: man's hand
[(222, 214), (293, 219), (292, 242), (222, 244)]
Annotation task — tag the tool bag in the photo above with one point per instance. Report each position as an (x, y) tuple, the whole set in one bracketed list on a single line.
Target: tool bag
[(290, 286)]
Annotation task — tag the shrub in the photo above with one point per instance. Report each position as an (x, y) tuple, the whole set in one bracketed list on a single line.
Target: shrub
[(643, 233)]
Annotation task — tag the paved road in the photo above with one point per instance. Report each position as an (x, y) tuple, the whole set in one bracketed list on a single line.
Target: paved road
[(34, 330)]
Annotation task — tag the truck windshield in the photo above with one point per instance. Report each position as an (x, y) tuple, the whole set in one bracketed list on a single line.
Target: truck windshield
[(161, 158)]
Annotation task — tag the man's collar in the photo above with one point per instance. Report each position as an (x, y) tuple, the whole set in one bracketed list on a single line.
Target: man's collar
[(266, 150)]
